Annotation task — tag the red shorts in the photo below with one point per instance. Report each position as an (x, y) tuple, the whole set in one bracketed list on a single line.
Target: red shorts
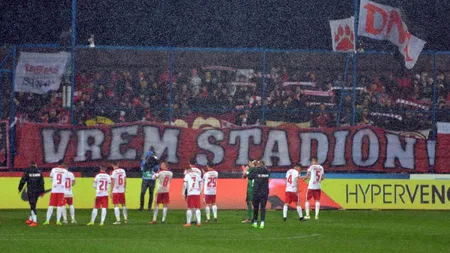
[(210, 199), (193, 201), (101, 202), (313, 194), (68, 200), (290, 197), (118, 198), (162, 198), (56, 199)]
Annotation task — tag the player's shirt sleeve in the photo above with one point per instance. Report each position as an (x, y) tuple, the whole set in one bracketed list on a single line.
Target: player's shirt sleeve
[(52, 173)]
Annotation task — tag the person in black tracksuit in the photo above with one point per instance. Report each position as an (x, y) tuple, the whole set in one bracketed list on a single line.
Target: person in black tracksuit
[(35, 188), (260, 177)]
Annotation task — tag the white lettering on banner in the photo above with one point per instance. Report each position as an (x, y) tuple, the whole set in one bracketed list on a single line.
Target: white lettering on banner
[(117, 141), (395, 151), (384, 22), (204, 144), (306, 147), (357, 150), (169, 141), (277, 138), (244, 143), (339, 148), (353, 148), (52, 154), (40, 72), (431, 152), (89, 140)]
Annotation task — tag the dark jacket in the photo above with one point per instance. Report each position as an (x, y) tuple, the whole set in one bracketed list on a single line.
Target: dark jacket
[(34, 180), (260, 177)]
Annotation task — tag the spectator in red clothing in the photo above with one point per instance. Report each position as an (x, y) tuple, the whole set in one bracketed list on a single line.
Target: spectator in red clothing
[(321, 118)]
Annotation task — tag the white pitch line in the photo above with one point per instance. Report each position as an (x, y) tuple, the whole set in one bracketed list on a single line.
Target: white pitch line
[(157, 239)]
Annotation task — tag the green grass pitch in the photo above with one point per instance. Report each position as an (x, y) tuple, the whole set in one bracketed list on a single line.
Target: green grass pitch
[(335, 231)]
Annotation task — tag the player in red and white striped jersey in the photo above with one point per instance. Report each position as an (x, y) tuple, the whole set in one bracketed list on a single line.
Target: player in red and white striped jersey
[(58, 177), (118, 186), (191, 189), (316, 175), (102, 183), (292, 191), (164, 177), (68, 198), (209, 191)]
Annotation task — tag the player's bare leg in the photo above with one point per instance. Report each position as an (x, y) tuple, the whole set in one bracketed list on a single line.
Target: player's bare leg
[(207, 212), (188, 218), (72, 214), (117, 214), (125, 214), (198, 215), (102, 221), (93, 217), (317, 209), (285, 210), (307, 210), (164, 213), (49, 215), (214, 209)]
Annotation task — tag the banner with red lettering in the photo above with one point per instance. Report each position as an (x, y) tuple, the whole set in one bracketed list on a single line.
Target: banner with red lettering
[(39, 72), (382, 22), (359, 148)]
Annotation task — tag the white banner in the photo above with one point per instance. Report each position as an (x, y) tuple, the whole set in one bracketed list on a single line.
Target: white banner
[(382, 22), (39, 72), (343, 35)]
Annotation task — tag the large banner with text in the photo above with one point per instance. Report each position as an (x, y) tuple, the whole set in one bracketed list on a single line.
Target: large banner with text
[(360, 148)]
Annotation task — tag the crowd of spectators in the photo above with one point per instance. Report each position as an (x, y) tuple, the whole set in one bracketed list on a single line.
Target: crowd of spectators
[(389, 100)]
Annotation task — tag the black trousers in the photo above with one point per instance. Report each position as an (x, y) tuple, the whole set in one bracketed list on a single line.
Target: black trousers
[(150, 184), (32, 199), (259, 202)]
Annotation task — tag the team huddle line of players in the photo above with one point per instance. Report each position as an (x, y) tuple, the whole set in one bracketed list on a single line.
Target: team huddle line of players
[(195, 180)]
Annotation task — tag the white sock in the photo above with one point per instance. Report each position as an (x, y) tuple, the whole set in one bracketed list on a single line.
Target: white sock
[(188, 216), (214, 208), (207, 212), (299, 211), (261, 224), (155, 212), (103, 215), (285, 209), (33, 217), (49, 212), (307, 208), (59, 211), (64, 213), (117, 213), (198, 214), (164, 214), (94, 215), (317, 208), (72, 212), (125, 212)]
